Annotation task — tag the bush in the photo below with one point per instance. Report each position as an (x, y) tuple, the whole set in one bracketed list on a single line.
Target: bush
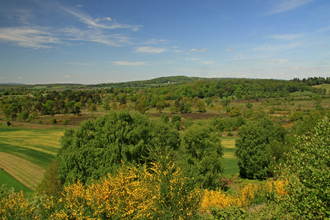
[(53, 121), (8, 123), (24, 115), (202, 155), (39, 121), (66, 122), (98, 147), (258, 139), (235, 112), (307, 169), (230, 134)]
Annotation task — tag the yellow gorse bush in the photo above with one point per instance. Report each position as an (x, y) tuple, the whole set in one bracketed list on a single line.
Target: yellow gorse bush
[(133, 193), (244, 197)]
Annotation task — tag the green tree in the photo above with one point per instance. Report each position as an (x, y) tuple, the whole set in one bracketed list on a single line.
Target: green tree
[(92, 107), (249, 105), (160, 106), (106, 106), (98, 147), (235, 112), (114, 106), (24, 115), (200, 106), (164, 118), (308, 173), (141, 108), (258, 139), (176, 118), (174, 109), (202, 155)]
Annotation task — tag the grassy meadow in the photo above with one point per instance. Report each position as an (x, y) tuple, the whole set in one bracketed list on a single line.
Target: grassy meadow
[(26, 153), (12, 182)]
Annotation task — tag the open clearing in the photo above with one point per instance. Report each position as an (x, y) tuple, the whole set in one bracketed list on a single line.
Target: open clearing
[(231, 166), (22, 170)]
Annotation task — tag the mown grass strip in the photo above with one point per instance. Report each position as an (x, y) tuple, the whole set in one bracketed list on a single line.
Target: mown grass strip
[(38, 146), (10, 181), (231, 166), (22, 170)]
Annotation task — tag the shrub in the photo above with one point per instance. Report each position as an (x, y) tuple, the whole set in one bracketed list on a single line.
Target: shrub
[(53, 121), (39, 121), (98, 147), (307, 169), (8, 123), (66, 122), (24, 115), (257, 140), (230, 134), (202, 154), (235, 112)]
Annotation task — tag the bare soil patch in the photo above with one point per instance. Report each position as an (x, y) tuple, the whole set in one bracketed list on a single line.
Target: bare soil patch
[(22, 170)]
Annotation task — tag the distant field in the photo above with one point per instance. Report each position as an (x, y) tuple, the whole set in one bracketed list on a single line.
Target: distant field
[(22, 170), (26, 153), (228, 144), (38, 146)]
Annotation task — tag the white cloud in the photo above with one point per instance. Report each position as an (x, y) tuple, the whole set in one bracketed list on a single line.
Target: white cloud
[(277, 47), (322, 45), (29, 37), (81, 64), (92, 23), (192, 59), (203, 50), (127, 63), (95, 36), (286, 36), (206, 62), (286, 5), (230, 50), (19, 77), (66, 76), (149, 50)]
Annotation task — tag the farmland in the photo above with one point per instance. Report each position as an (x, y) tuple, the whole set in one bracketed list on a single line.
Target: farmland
[(196, 130)]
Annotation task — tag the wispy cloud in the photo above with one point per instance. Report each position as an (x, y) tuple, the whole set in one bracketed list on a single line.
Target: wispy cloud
[(321, 45), (286, 5), (149, 50), (92, 23), (81, 64), (34, 38), (277, 47), (203, 50), (206, 62), (192, 59), (286, 36), (230, 50), (127, 63), (95, 36)]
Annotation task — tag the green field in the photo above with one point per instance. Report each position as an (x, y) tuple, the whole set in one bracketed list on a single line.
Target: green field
[(37, 147), (231, 166), (12, 182)]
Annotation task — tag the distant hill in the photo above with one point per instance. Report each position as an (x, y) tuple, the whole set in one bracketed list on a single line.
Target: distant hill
[(12, 84)]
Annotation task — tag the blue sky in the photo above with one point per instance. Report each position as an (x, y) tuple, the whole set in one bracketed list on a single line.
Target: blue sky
[(104, 41)]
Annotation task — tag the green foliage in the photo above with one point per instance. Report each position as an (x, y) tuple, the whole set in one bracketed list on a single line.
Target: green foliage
[(160, 106), (298, 115), (230, 134), (53, 121), (50, 184), (188, 123), (202, 155), (8, 123), (164, 118), (98, 147), (254, 147), (235, 112), (200, 106), (176, 118), (174, 109), (225, 102), (25, 115), (249, 105), (106, 105), (208, 101), (249, 113), (65, 121), (141, 108), (272, 110), (307, 169)]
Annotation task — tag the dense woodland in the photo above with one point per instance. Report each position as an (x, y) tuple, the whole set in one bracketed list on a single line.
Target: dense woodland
[(126, 163)]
